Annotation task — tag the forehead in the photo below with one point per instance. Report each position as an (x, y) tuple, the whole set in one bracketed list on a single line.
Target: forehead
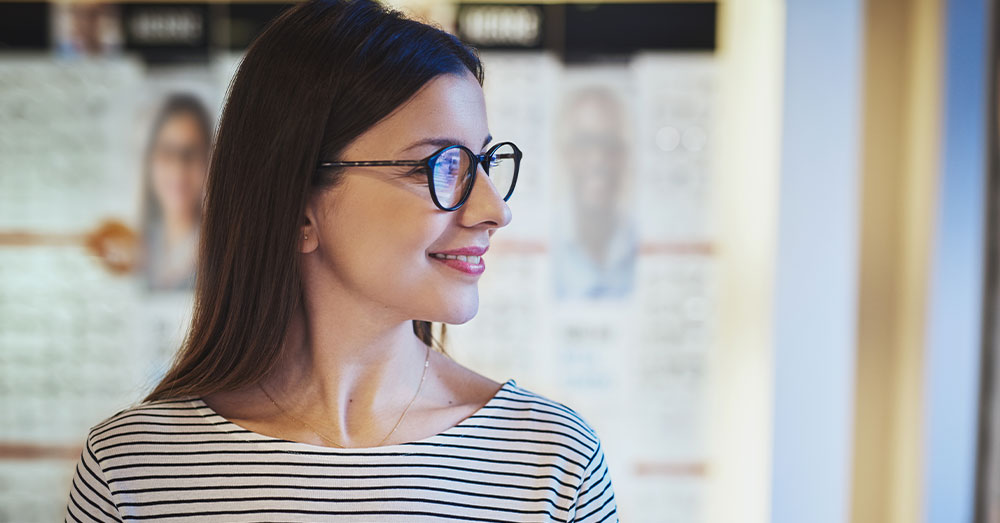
[(449, 106), (180, 126)]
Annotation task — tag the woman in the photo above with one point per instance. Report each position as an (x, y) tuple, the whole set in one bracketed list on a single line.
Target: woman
[(307, 388), (176, 160)]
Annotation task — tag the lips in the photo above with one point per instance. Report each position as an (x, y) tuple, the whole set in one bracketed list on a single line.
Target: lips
[(475, 266), (472, 250)]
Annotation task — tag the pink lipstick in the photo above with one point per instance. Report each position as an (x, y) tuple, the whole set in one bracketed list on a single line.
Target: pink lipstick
[(466, 259)]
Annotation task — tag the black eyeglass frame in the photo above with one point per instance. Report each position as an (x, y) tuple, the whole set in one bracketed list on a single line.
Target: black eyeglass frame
[(428, 163)]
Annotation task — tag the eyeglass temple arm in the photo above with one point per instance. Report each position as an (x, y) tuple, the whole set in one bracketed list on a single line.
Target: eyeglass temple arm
[(371, 163)]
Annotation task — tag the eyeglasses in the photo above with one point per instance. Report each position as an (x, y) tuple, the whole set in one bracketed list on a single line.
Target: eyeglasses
[(452, 171)]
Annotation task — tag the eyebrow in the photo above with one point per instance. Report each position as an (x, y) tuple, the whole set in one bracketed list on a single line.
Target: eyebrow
[(444, 142)]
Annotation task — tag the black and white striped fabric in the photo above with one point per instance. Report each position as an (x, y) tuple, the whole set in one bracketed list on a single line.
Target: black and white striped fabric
[(521, 457)]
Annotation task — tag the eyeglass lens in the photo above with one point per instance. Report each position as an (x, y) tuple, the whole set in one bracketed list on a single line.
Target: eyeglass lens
[(452, 173), (451, 176)]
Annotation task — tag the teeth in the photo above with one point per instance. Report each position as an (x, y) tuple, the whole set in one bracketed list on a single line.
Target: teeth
[(460, 257)]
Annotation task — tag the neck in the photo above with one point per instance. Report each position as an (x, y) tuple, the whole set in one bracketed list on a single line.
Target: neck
[(177, 227), (348, 365), (594, 231)]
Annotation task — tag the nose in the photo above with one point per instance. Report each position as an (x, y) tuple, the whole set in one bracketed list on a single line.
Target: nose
[(485, 204)]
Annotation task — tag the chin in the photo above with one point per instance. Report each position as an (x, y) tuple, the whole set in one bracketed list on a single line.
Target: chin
[(458, 320), (455, 313), (450, 305)]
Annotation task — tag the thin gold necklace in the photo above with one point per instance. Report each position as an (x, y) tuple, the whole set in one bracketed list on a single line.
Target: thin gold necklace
[(328, 440)]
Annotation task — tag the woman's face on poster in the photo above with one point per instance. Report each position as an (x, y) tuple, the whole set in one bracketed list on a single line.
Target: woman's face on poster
[(179, 163)]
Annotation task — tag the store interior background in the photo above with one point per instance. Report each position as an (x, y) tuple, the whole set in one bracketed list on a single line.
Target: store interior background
[(795, 318)]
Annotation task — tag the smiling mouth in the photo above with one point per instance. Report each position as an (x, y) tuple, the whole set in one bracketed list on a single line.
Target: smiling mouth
[(475, 260), (468, 264)]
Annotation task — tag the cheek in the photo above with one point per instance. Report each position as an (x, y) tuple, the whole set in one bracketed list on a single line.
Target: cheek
[(162, 179), (414, 229), (378, 249), (195, 175), (384, 235)]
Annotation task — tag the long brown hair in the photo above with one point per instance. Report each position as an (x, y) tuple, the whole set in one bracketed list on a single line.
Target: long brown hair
[(317, 77)]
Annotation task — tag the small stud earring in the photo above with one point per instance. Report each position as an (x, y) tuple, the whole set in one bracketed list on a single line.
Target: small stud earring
[(307, 236)]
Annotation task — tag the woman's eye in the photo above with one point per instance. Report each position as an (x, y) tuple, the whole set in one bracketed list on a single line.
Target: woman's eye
[(413, 172), (419, 175)]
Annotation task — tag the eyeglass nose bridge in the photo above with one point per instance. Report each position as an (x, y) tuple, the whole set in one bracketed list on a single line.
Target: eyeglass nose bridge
[(481, 160)]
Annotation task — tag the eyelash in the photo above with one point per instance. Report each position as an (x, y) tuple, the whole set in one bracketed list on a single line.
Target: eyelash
[(417, 171)]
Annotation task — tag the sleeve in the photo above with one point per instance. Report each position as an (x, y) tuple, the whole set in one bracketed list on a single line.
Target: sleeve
[(89, 495), (595, 501)]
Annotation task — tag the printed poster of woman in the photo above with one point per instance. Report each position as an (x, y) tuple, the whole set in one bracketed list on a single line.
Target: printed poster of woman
[(175, 164)]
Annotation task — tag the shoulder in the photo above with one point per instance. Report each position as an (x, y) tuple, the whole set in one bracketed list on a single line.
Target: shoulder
[(544, 413), (147, 421), (594, 495)]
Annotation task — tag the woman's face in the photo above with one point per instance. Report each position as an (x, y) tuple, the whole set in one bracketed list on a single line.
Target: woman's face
[(372, 235), (179, 162)]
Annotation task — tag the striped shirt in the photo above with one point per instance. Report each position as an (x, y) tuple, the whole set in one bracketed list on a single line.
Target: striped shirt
[(520, 457)]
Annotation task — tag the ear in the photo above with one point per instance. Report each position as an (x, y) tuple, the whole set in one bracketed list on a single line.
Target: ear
[(308, 232)]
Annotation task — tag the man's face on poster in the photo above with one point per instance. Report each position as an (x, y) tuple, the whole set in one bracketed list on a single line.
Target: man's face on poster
[(594, 149)]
